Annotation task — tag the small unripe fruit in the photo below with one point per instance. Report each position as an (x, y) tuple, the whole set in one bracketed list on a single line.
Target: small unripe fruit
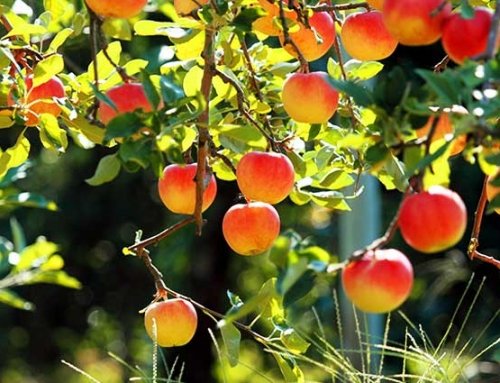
[(309, 97), (177, 189), (415, 22), (127, 98), (266, 177), (252, 228), (433, 220), (466, 38), (172, 322), (120, 9), (39, 99), (365, 37), (378, 282)]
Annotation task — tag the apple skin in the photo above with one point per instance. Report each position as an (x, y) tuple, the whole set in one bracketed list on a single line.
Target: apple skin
[(123, 9), (127, 98), (466, 38), (177, 189), (493, 191), (378, 282), (413, 22), (433, 220), (251, 228), (176, 322), (309, 97), (306, 41), (265, 177), (365, 37), (377, 4), (39, 99), (185, 7)]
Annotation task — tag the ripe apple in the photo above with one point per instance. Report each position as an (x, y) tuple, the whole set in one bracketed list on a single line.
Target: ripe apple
[(123, 9), (378, 282), (491, 190), (313, 44), (466, 38), (171, 322), (251, 228), (377, 4), (433, 220), (365, 37), (265, 177), (185, 7), (39, 99), (127, 98), (309, 97), (177, 189), (415, 22)]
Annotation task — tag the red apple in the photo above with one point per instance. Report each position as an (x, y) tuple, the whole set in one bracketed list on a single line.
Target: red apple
[(415, 22), (313, 42), (251, 228), (466, 38), (127, 98), (378, 282), (309, 97), (113, 8), (177, 189), (40, 99), (365, 37), (433, 220), (266, 177), (172, 322)]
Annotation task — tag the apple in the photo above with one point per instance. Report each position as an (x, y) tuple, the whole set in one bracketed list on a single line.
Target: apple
[(309, 97), (378, 282), (466, 38), (251, 228), (365, 37), (315, 42), (265, 177), (39, 99), (123, 9), (377, 4), (171, 322), (177, 189), (415, 22), (185, 7), (491, 190), (433, 220), (127, 98)]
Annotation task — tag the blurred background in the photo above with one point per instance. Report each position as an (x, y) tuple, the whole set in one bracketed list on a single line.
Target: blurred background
[(93, 224)]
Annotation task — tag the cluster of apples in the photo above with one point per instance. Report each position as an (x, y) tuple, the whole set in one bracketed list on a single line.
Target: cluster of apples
[(430, 221)]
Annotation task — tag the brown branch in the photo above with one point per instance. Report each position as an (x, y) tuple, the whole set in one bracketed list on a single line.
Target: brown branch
[(441, 65), (95, 26), (208, 55), (304, 65), (339, 7), (251, 70), (474, 240)]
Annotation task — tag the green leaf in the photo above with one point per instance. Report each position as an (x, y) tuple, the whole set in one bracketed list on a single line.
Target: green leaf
[(493, 159), (123, 125), (290, 375), (240, 138), (427, 160), (48, 68), (34, 255), (26, 199), (362, 70), (466, 10), (293, 341), (445, 84), (18, 236), (51, 134), (300, 288), (136, 152), (170, 91), (361, 95), (243, 21), (10, 298), (232, 338), (60, 278), (60, 39), (14, 156), (117, 28), (279, 252), (107, 170)]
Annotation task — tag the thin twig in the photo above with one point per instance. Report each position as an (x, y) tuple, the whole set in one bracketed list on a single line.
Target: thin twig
[(441, 65), (287, 40), (338, 7)]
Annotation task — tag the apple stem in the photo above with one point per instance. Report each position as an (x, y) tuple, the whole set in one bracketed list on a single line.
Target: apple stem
[(474, 240)]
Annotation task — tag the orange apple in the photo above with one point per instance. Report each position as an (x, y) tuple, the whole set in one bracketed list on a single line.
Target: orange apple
[(491, 190), (365, 37), (123, 9), (309, 97), (315, 42), (177, 189), (251, 228), (127, 98), (377, 4), (433, 220), (378, 282), (466, 38), (39, 99), (171, 322), (415, 22), (266, 177), (185, 7)]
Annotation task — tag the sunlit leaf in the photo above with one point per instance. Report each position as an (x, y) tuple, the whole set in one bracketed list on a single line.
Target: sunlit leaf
[(107, 170)]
